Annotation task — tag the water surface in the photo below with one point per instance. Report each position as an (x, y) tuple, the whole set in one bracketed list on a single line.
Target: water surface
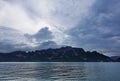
[(59, 71)]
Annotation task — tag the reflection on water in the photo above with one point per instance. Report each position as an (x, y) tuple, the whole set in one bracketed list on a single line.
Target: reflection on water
[(59, 71)]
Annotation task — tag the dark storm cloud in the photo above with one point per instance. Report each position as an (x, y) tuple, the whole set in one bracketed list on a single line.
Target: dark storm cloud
[(12, 40), (43, 34), (4, 46), (43, 38), (47, 44)]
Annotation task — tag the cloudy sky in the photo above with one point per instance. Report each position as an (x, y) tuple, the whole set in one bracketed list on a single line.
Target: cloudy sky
[(41, 24)]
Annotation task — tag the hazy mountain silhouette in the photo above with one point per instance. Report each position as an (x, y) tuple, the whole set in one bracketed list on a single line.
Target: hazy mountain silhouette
[(115, 57), (63, 54), (118, 60)]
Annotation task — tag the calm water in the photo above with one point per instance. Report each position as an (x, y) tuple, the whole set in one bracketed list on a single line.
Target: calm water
[(59, 71)]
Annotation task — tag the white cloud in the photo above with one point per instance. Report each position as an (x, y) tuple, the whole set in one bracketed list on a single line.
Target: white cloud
[(14, 16), (91, 24), (29, 16), (25, 15)]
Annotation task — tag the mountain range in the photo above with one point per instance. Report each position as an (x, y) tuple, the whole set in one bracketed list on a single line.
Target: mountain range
[(63, 54)]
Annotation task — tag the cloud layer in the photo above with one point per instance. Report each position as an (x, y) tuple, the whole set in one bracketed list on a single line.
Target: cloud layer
[(37, 24), (100, 31)]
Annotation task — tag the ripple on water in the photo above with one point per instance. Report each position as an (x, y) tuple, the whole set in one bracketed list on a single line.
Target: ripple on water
[(35, 71)]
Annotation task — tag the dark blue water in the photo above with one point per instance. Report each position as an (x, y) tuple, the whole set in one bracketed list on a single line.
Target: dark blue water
[(59, 71)]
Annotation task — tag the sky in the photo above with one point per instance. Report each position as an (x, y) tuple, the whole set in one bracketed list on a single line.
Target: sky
[(41, 24)]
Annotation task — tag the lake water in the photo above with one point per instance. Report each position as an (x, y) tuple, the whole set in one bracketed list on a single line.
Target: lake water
[(59, 71)]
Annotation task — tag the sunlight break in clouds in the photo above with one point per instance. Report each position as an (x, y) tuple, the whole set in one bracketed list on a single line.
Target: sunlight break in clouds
[(91, 24), (29, 16)]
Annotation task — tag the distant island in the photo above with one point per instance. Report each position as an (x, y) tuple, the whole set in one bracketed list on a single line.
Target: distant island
[(63, 54)]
